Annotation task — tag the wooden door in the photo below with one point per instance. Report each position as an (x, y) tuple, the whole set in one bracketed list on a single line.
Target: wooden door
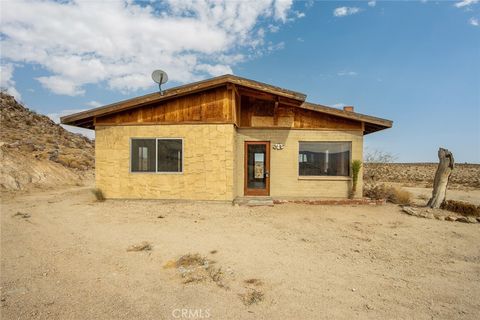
[(257, 168)]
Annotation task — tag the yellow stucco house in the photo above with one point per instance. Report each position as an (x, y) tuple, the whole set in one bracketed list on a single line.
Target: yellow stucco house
[(225, 138)]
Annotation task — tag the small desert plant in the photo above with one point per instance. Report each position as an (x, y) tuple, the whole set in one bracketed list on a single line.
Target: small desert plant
[(463, 208), (253, 281), (356, 166), (251, 297), (391, 194), (98, 194), (191, 260), (400, 196), (196, 268)]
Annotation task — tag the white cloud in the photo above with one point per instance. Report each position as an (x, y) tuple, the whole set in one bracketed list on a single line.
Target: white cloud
[(214, 70), (345, 11), (119, 43), (465, 3), (61, 85), (372, 3), (299, 14), (473, 22), (339, 105), (347, 73), (281, 8), (56, 118), (94, 104), (273, 28), (6, 81)]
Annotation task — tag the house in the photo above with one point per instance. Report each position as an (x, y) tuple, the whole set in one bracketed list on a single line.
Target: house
[(224, 138)]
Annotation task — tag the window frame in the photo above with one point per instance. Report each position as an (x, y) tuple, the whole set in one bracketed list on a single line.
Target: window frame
[(156, 156), (325, 177)]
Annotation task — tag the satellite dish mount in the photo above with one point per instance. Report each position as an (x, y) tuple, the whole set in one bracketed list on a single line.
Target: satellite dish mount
[(160, 77)]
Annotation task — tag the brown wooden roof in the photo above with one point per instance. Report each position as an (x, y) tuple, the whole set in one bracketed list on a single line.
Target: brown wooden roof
[(372, 124), (85, 119)]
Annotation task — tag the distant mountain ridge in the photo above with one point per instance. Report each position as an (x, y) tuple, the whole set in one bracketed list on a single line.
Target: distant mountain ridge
[(35, 151)]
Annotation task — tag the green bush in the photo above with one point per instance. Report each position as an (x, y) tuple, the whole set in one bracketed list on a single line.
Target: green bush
[(356, 166)]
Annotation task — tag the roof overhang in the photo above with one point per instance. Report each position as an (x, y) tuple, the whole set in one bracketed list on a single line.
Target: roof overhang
[(372, 124), (86, 118)]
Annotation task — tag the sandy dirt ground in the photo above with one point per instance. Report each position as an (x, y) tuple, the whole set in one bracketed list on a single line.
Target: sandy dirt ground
[(68, 259)]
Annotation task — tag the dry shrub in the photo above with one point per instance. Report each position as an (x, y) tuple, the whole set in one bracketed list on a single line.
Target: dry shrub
[(195, 268), (253, 281), (391, 194), (463, 208), (191, 260), (400, 196), (252, 296), (98, 194)]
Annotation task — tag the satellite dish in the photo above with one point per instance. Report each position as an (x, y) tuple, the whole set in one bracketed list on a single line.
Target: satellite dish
[(160, 77)]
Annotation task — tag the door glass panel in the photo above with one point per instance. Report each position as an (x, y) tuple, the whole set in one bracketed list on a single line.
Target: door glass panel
[(256, 175)]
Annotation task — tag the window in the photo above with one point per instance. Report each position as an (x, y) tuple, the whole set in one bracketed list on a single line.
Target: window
[(324, 158), (143, 155), (157, 155), (169, 155)]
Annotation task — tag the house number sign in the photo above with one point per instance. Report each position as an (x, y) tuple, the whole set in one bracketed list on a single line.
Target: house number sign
[(278, 146)]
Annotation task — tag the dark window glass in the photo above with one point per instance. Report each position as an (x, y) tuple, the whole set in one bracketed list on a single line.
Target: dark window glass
[(169, 155), (324, 159), (143, 155)]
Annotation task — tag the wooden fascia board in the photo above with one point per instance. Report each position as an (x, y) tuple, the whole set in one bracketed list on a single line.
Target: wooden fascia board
[(269, 97), (347, 114), (268, 88)]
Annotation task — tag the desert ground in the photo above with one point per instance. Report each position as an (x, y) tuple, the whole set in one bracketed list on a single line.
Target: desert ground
[(64, 256)]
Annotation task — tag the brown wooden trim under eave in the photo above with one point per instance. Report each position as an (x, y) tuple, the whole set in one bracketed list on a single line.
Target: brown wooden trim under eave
[(291, 128), (160, 123), (347, 114)]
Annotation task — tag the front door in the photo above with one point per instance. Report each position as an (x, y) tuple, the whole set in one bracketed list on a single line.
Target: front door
[(257, 168)]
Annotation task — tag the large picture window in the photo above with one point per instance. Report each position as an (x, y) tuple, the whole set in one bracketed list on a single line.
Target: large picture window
[(324, 158), (157, 155)]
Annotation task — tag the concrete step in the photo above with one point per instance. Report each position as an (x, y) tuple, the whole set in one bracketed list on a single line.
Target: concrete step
[(253, 201)]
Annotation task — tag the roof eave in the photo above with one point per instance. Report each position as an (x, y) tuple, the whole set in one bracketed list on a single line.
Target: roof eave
[(180, 91), (376, 124)]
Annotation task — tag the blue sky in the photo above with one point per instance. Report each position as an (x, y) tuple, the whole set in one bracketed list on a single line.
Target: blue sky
[(416, 63)]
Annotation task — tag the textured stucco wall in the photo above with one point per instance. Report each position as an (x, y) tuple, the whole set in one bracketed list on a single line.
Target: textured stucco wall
[(214, 163), (284, 179), (208, 163)]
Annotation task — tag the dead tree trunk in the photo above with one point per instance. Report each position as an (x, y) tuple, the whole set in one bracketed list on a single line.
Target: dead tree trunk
[(442, 176)]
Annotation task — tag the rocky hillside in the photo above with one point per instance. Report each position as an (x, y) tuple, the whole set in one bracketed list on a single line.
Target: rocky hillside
[(35, 151), (422, 174)]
